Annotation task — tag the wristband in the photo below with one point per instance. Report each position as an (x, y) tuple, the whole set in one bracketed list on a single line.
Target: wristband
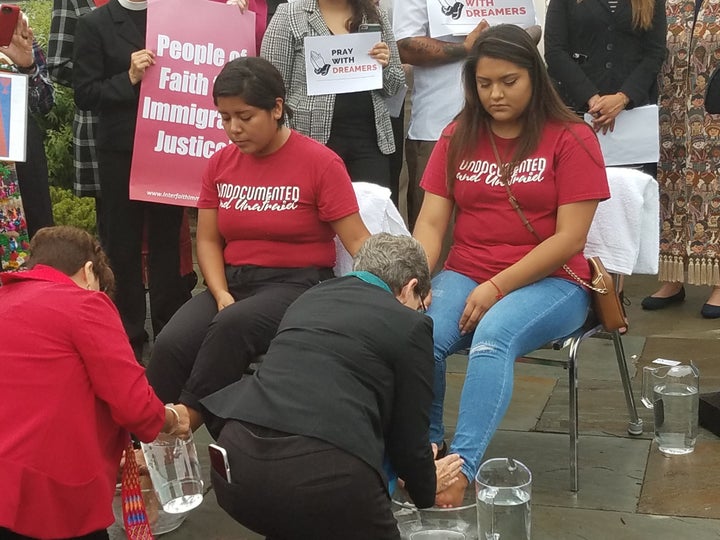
[(32, 68), (177, 417), (499, 292)]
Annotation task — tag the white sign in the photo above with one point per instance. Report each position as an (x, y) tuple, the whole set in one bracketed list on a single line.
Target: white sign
[(13, 116), (664, 362), (342, 64), (635, 138), (459, 18)]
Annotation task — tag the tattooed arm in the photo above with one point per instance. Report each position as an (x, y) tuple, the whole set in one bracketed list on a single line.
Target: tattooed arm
[(427, 51)]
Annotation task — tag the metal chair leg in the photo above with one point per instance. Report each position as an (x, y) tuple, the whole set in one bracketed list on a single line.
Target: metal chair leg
[(635, 426), (573, 413)]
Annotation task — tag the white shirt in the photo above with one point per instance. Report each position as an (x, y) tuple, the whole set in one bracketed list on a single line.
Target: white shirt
[(437, 92)]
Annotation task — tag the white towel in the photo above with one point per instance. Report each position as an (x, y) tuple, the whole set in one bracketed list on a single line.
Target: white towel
[(625, 233), (379, 214)]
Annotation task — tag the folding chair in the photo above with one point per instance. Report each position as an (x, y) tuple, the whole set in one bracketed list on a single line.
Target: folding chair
[(572, 343)]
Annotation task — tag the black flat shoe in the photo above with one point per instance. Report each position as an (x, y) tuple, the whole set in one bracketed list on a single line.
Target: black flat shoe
[(710, 312), (652, 303)]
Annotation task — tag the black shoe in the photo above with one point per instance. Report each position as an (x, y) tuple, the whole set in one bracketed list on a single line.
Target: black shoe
[(652, 303), (710, 312)]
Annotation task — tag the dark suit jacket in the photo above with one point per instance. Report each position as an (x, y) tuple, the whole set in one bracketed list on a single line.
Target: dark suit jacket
[(272, 7), (590, 50), (712, 94), (104, 40), (353, 367)]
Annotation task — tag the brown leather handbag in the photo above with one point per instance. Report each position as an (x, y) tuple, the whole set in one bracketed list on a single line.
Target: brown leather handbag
[(605, 300)]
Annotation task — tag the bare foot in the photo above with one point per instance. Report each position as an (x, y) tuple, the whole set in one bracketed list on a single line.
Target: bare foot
[(454, 494), (714, 299), (668, 289)]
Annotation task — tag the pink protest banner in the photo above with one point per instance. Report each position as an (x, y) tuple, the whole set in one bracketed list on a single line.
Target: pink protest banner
[(178, 127)]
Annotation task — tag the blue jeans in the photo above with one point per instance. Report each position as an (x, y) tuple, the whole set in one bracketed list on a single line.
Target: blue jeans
[(519, 323)]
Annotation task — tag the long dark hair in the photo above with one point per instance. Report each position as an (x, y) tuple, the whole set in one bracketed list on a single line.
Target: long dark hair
[(363, 11), (512, 44)]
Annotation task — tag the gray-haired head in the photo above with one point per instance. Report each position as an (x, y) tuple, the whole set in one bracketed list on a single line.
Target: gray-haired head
[(396, 260)]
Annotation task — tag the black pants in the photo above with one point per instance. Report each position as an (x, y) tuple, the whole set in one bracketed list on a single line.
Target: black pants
[(202, 350), (397, 157), (33, 181), (362, 157), (124, 221), (290, 487), (6, 534)]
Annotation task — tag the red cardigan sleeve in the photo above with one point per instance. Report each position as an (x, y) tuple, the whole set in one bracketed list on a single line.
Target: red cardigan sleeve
[(115, 375)]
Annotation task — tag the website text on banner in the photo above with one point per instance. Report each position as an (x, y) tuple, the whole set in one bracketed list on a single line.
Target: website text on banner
[(342, 64), (178, 127), (459, 18)]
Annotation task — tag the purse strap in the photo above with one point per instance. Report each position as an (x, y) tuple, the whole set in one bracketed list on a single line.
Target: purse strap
[(502, 170)]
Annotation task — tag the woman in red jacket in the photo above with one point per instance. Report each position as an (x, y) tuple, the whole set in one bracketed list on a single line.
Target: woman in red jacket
[(72, 391)]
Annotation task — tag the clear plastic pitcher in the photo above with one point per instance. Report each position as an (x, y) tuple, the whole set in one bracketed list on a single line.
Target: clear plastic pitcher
[(671, 391), (175, 472), (503, 488)]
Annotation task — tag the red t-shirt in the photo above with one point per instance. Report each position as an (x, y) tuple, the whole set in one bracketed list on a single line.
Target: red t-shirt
[(489, 235), (274, 210)]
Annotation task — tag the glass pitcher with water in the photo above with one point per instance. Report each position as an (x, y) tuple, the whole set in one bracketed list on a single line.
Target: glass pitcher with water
[(503, 487), (671, 391), (175, 472)]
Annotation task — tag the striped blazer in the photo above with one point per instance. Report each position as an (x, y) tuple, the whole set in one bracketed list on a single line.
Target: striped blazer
[(312, 115)]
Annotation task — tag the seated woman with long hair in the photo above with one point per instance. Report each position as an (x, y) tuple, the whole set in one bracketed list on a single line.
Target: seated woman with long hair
[(72, 391), (504, 290)]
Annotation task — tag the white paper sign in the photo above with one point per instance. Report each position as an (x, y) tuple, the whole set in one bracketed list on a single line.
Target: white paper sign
[(13, 116), (342, 64), (459, 18), (635, 138), (664, 362)]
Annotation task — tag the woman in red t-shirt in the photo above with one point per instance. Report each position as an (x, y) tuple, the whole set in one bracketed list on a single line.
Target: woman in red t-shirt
[(503, 292), (270, 206)]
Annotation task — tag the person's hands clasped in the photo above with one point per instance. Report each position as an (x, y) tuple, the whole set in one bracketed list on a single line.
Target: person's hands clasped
[(139, 62), (381, 53), (20, 48), (605, 109), (482, 298), (224, 299)]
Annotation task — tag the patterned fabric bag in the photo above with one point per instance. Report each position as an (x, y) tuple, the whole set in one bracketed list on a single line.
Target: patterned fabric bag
[(14, 239)]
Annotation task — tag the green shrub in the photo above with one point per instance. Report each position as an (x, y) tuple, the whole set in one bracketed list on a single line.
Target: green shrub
[(71, 210), (39, 13)]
